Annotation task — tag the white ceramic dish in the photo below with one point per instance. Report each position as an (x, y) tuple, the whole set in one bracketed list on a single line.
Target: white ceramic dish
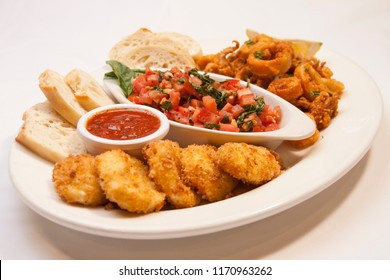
[(96, 145), (341, 146), (294, 125)]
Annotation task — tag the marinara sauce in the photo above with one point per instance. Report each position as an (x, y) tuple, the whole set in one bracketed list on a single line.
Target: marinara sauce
[(122, 124)]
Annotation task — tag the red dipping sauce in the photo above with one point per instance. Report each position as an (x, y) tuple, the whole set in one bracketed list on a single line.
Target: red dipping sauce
[(122, 124)]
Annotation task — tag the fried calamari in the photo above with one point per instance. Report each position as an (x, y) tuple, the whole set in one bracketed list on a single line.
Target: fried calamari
[(282, 67)]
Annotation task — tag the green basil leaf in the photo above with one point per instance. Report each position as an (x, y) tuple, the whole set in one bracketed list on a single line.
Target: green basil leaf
[(124, 75)]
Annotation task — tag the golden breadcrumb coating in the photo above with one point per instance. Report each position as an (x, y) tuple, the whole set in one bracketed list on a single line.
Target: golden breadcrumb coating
[(125, 181), (164, 163), (76, 181), (200, 170), (249, 163)]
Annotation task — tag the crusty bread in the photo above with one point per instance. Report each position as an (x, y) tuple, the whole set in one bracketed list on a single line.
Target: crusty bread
[(87, 91), (155, 56), (60, 96), (48, 135), (153, 47), (187, 42), (144, 37)]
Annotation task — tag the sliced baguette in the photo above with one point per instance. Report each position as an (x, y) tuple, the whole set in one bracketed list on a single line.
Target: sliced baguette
[(49, 135), (60, 96), (155, 56), (87, 91)]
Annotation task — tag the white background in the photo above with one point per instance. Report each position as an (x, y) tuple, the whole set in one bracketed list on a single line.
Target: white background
[(349, 220)]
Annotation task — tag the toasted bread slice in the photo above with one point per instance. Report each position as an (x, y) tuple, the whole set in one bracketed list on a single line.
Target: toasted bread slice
[(155, 56), (152, 48), (60, 96), (87, 91), (144, 37), (188, 43), (49, 135)]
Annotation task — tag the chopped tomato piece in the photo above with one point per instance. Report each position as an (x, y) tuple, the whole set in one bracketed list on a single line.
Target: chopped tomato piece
[(271, 127), (141, 99), (229, 127), (196, 103), (206, 116), (247, 99), (237, 110), (231, 84), (174, 97), (139, 83), (189, 90), (227, 108), (179, 116), (195, 114), (209, 103), (156, 95)]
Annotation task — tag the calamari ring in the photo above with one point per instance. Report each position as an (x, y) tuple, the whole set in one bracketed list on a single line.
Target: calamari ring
[(312, 81), (254, 43), (304, 143), (288, 88), (271, 59)]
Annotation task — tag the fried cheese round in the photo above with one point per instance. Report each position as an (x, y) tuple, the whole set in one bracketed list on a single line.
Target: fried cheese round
[(164, 163), (251, 164), (125, 181), (200, 170), (76, 181)]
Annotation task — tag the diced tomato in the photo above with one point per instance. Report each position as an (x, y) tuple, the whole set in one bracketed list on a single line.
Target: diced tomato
[(156, 95), (243, 91), (189, 90), (245, 97), (184, 111), (141, 99), (174, 97), (139, 83), (225, 117), (228, 127), (231, 84), (178, 86), (206, 116), (196, 103), (179, 116), (227, 108), (165, 84), (195, 80), (270, 115), (271, 127), (152, 80), (231, 99), (278, 113), (195, 114), (237, 110), (209, 103)]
